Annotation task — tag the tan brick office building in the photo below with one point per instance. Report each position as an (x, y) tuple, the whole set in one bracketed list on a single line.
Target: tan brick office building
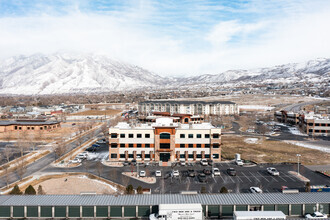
[(164, 141)]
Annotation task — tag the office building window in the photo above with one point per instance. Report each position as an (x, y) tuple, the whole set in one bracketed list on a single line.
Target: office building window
[(139, 145), (182, 136), (190, 145), (113, 145), (113, 135), (147, 135), (147, 145), (207, 145), (122, 145), (190, 136), (130, 145), (139, 135), (199, 136), (165, 136), (182, 146), (113, 155), (215, 135), (122, 135), (207, 135), (199, 146), (130, 135)]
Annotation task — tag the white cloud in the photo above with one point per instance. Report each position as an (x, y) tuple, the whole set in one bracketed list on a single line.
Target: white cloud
[(231, 44)]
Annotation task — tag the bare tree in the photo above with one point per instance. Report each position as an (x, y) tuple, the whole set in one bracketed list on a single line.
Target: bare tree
[(99, 168), (105, 130), (6, 173), (8, 153), (20, 167), (8, 135)]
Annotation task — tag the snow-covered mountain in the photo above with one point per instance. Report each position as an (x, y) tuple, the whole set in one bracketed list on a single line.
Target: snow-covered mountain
[(314, 70), (68, 73), (85, 73)]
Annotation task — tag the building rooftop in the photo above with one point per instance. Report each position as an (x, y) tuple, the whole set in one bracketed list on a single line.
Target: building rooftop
[(156, 199), (164, 122), (187, 102), (28, 122)]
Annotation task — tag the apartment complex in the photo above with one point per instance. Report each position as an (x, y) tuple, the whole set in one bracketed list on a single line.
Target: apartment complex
[(312, 124), (189, 107), (164, 141), (315, 124)]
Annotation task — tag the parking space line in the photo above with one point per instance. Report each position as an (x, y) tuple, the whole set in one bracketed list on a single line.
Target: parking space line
[(214, 180), (240, 179), (231, 179), (223, 180), (288, 176), (263, 177), (274, 178), (254, 176), (283, 179), (247, 177)]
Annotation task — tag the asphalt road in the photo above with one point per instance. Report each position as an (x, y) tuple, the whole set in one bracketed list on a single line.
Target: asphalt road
[(41, 163), (298, 106)]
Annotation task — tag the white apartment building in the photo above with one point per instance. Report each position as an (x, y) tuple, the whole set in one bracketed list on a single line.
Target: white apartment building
[(189, 107)]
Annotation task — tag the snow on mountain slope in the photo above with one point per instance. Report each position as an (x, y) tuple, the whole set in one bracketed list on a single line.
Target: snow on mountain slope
[(311, 70), (67, 73)]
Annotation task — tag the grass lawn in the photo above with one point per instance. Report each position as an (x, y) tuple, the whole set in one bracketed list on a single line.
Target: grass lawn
[(268, 151)]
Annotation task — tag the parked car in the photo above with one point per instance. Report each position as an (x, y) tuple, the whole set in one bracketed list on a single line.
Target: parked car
[(210, 162), (75, 160), (316, 215), (231, 171), (96, 145), (239, 162), (204, 162), (255, 189), (158, 173), (272, 171), (202, 178), (91, 149), (133, 162), (216, 171), (183, 163), (73, 124), (81, 156), (142, 173), (101, 141), (175, 173), (207, 171), (191, 173), (125, 163)]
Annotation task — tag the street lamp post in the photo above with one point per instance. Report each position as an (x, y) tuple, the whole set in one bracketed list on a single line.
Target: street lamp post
[(137, 166), (298, 155)]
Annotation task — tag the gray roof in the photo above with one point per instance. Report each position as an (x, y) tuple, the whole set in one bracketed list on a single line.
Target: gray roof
[(156, 199), (186, 102), (7, 123)]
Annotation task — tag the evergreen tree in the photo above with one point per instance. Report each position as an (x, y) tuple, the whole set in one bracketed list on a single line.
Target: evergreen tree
[(16, 191), (308, 187), (223, 190), (129, 189), (139, 190), (40, 190), (30, 190)]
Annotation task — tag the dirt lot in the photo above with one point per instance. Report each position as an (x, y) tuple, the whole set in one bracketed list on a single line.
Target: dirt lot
[(262, 150), (99, 112), (75, 185)]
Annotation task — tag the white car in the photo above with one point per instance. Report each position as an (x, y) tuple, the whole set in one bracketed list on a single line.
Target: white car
[(175, 173), (239, 162), (204, 162), (81, 156), (316, 215), (142, 173), (272, 171), (216, 171), (255, 189), (158, 173), (75, 160), (101, 142), (183, 163)]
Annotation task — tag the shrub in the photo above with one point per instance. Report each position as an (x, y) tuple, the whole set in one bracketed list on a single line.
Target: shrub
[(16, 191), (223, 190), (129, 189), (30, 190)]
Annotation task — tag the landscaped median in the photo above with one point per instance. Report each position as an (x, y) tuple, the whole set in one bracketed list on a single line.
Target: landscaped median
[(68, 183), (26, 160), (150, 180)]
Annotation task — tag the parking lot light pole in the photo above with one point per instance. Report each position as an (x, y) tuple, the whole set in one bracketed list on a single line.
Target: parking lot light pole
[(137, 166), (298, 155)]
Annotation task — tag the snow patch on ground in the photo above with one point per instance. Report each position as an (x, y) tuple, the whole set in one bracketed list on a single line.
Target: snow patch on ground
[(99, 181), (251, 140), (256, 107), (295, 131), (310, 146), (98, 156)]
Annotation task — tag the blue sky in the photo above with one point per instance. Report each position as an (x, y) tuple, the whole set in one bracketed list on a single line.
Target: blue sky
[(171, 37)]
